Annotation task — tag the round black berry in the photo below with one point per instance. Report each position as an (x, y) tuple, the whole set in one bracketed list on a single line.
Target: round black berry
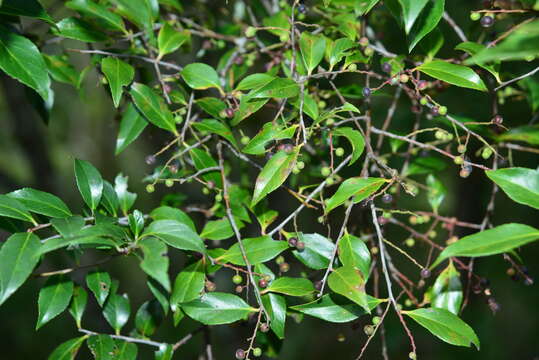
[(497, 119), (487, 21), (366, 92), (240, 354), (425, 273), (302, 8), (293, 242), (263, 283), (387, 198), (386, 67)]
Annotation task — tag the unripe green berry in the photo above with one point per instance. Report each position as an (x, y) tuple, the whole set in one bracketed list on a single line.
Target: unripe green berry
[(439, 134), (486, 153), (218, 197), (237, 279), (150, 188), (474, 16), (325, 171), (412, 356), (295, 170), (330, 122), (410, 242), (320, 219), (403, 78), (423, 101), (169, 183), (245, 140), (368, 330), (408, 303), (322, 104), (364, 41), (459, 160), (339, 151), (284, 267), (205, 191), (330, 181), (283, 37), (257, 352), (300, 165), (442, 110), (376, 320), (250, 31), (368, 51), (352, 67)]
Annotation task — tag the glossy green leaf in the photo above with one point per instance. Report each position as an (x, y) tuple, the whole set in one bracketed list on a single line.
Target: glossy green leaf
[(494, 241), (247, 108), (126, 198), (353, 252), (359, 188), (175, 234), (472, 48), (204, 160), (254, 81), (278, 88), (139, 12), (165, 352), (89, 182), (13, 208), (68, 227), (21, 59), (67, 350), (188, 285), (109, 199), (200, 76), (18, 257), (216, 127), (28, 8), (318, 250), (153, 107), (118, 74), (312, 50), (349, 282), (446, 293), (41, 202), (436, 192), (274, 174), (258, 250), (170, 213), (217, 230), (335, 308), (356, 141), (78, 304), (291, 286), (270, 132), (155, 262), (170, 40), (92, 9), (101, 346), (337, 50), (528, 134), (212, 106), (78, 29), (99, 283), (427, 21), (520, 184), (445, 325), (149, 316), (125, 350), (61, 70), (410, 12), (275, 306), (116, 311), (458, 75), (217, 308), (54, 298)]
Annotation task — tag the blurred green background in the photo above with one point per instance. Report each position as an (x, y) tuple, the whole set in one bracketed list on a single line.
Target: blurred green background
[(85, 126)]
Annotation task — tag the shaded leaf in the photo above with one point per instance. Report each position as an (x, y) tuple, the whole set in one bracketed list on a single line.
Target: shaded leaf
[(89, 182), (14, 208), (275, 306), (155, 262), (118, 74), (217, 308), (67, 350), (101, 346), (153, 107), (188, 285), (312, 50), (356, 141), (175, 234), (54, 298)]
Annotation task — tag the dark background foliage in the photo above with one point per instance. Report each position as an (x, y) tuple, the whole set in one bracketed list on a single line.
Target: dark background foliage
[(85, 126)]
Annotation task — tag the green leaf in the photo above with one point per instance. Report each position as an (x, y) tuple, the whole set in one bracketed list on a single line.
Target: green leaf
[(353, 252), (521, 44), (359, 188), (212, 106), (14, 208), (520, 184), (278, 88), (109, 199), (149, 316), (139, 12), (337, 50), (89, 182), (410, 12), (529, 134), (274, 174), (61, 70), (217, 230), (68, 227), (126, 198), (318, 250), (28, 8), (188, 285), (78, 304), (275, 306), (291, 286), (254, 81), (472, 48), (445, 325), (101, 346), (348, 282), (170, 213), (41, 202), (21, 59), (494, 241), (356, 141), (176, 234), (118, 74), (216, 127), (91, 9), (99, 283), (77, 29), (269, 132), (125, 350), (170, 40), (18, 257), (258, 250), (155, 262), (203, 160), (153, 107), (436, 192), (67, 350), (446, 293), (165, 352), (54, 297), (217, 308), (428, 20), (116, 311), (200, 76), (335, 308), (312, 50), (247, 108), (453, 74)]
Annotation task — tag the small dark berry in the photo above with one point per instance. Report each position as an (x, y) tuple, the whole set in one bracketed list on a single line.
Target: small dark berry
[(498, 119), (425, 273), (515, 277), (366, 92), (477, 289), (150, 159), (528, 281), (386, 67), (240, 354), (229, 112), (524, 270), (487, 21), (484, 282), (288, 148), (302, 9), (435, 111), (493, 305), (387, 198), (318, 285), (264, 327), (300, 246), (263, 283), (293, 242)]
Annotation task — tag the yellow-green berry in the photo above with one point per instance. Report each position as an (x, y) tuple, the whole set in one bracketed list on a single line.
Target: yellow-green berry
[(325, 171), (339, 151), (410, 242), (442, 110), (250, 31), (461, 149), (237, 279), (459, 160), (257, 352), (150, 188), (169, 183), (486, 153)]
